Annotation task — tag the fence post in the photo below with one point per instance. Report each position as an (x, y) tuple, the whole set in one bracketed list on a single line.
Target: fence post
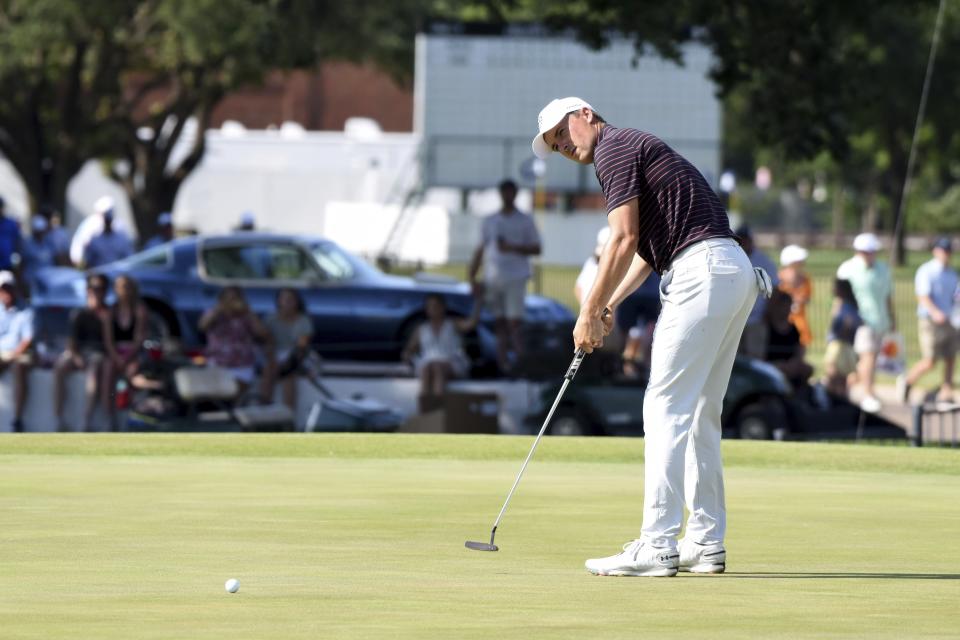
[(918, 425)]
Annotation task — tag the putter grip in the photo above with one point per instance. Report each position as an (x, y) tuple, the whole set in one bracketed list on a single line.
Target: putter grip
[(575, 364)]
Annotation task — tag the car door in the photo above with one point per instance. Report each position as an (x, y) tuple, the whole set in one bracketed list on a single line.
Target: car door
[(264, 267)]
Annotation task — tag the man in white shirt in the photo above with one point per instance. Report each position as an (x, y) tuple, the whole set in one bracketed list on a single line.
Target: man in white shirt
[(509, 238), (936, 288)]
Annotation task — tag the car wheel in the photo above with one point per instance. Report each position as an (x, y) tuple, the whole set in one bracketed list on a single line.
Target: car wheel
[(567, 422), (761, 420)]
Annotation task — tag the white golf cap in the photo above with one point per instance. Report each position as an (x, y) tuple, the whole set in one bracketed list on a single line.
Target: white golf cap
[(791, 254), (867, 243), (103, 204), (7, 279), (549, 116)]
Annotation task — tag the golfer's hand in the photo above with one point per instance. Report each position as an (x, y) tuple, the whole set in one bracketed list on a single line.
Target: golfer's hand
[(607, 319), (588, 333)]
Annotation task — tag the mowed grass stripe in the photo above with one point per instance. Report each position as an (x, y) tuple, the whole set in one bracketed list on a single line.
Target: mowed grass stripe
[(776, 455), (124, 547)]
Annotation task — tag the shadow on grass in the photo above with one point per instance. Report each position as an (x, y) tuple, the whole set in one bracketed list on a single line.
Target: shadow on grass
[(781, 575)]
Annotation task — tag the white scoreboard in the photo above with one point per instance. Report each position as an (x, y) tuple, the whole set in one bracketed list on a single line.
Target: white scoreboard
[(477, 98)]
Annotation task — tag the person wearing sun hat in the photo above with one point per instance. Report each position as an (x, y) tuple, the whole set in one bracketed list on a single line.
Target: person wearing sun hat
[(873, 289), (795, 282)]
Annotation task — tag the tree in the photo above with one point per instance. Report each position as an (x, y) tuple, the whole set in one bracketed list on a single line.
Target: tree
[(122, 81)]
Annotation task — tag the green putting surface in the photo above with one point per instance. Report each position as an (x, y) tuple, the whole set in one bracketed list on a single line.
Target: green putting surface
[(353, 536)]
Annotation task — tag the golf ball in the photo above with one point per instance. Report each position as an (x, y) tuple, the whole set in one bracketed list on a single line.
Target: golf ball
[(232, 585)]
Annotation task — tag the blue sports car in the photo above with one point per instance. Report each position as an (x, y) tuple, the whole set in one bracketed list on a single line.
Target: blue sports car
[(358, 312)]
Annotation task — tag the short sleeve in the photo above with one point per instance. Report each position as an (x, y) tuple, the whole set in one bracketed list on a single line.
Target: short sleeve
[(304, 327), (921, 282)]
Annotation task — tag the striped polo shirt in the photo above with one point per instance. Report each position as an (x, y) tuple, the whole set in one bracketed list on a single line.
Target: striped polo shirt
[(677, 206)]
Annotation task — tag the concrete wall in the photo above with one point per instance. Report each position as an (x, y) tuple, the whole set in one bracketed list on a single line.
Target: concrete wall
[(517, 399)]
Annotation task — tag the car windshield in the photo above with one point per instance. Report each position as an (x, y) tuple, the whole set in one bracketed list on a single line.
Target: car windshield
[(337, 264)]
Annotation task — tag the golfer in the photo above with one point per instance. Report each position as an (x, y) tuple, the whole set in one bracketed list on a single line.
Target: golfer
[(664, 217)]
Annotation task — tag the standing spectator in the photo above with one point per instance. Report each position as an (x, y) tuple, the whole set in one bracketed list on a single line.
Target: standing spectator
[(797, 284), (870, 280), (164, 231), (57, 236), (508, 240), (935, 284), (92, 225), (436, 349), (248, 222), (753, 343), (86, 351), (9, 238), (126, 332), (107, 246), (291, 331), (840, 360), (232, 331), (36, 250), (16, 339)]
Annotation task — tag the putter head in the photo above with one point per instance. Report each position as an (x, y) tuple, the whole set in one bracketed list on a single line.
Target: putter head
[(481, 546)]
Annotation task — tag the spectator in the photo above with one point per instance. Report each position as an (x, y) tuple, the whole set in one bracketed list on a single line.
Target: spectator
[(164, 231), (57, 236), (936, 285), (16, 340), (795, 282), (107, 246), (436, 349), (9, 238), (92, 225), (753, 343), (870, 280), (840, 360), (86, 351), (36, 250), (291, 332), (126, 332), (509, 238), (247, 222), (784, 349), (232, 331)]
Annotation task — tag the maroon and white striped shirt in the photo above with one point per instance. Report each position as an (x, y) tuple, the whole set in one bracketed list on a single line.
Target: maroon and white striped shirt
[(677, 206)]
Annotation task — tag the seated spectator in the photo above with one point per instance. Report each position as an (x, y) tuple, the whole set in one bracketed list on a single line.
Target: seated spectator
[(127, 331), (233, 331), (291, 331), (36, 250), (840, 360), (436, 349), (16, 339), (86, 351), (784, 350), (795, 281)]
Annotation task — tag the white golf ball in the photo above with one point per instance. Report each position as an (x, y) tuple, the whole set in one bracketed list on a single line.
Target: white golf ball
[(232, 585)]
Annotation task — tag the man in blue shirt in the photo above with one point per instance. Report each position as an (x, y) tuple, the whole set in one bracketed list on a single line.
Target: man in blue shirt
[(9, 238), (164, 231), (107, 246), (16, 339), (36, 249), (936, 288)]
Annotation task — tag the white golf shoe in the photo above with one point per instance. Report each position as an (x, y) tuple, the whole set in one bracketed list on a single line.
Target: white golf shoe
[(637, 559), (702, 558)]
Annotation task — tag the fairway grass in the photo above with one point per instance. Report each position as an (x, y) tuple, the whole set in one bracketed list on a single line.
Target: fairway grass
[(351, 536)]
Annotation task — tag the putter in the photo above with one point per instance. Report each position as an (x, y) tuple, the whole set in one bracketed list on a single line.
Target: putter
[(571, 371)]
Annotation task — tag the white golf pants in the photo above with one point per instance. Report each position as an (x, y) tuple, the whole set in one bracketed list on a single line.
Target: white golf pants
[(707, 295)]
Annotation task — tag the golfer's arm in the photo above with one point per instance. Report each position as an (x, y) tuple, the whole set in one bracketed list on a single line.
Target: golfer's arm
[(637, 274), (617, 257), (927, 303)]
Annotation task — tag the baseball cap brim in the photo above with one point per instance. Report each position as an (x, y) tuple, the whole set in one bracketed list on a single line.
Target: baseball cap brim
[(540, 147)]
